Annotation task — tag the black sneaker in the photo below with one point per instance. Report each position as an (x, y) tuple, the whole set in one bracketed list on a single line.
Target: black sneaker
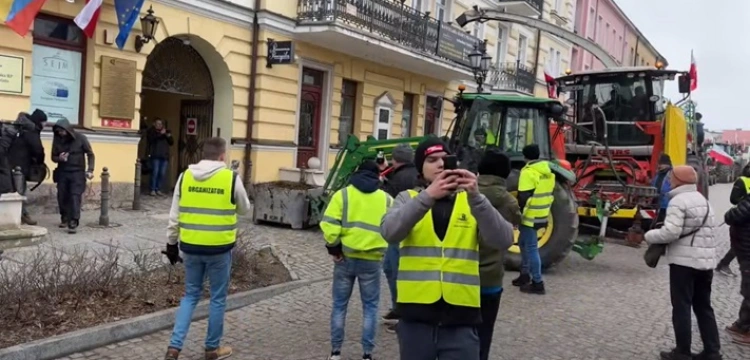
[(367, 357), (63, 223), (705, 356), (521, 280), (335, 355), (674, 355), (72, 227), (534, 288), (390, 316)]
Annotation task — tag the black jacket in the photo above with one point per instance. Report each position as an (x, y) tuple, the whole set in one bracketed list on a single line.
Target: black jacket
[(75, 144), (8, 134), (158, 143), (402, 179), (27, 149), (738, 192), (738, 219)]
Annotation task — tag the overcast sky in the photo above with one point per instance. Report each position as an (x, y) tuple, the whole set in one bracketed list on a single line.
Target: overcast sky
[(718, 31)]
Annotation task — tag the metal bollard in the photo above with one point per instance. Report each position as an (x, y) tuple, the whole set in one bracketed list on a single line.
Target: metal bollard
[(18, 180), (104, 212), (137, 186)]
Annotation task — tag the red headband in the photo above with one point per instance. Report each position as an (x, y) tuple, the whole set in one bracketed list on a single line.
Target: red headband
[(433, 149)]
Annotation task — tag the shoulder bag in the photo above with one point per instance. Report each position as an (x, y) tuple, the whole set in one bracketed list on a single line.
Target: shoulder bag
[(655, 251)]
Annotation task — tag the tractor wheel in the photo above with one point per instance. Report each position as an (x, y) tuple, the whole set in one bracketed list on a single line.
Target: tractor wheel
[(703, 181), (557, 239), (724, 173)]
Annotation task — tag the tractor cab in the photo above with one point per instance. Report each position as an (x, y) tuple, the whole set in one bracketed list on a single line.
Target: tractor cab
[(504, 122)]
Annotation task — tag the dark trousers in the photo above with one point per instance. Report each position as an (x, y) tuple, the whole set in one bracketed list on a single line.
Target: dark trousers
[(420, 341), (490, 307), (727, 259), (743, 322), (690, 289), (70, 187)]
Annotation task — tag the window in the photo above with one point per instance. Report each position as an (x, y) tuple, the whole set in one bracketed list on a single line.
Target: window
[(407, 114), (599, 28), (58, 55), (416, 4), (590, 25), (348, 104), (605, 38), (502, 41), (630, 59), (479, 30), (383, 117), (523, 44), (442, 10), (559, 7), (554, 58)]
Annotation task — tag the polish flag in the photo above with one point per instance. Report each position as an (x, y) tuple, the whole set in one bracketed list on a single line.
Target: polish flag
[(89, 16), (693, 73), (551, 85), (721, 157)]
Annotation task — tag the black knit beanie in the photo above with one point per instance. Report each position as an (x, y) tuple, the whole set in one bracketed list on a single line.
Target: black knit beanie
[(428, 146), (369, 166), (664, 159), (494, 162), (531, 152)]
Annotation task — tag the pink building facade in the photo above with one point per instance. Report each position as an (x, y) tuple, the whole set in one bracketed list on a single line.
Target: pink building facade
[(603, 22)]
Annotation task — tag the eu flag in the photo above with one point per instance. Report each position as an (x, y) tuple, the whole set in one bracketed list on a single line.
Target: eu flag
[(128, 12)]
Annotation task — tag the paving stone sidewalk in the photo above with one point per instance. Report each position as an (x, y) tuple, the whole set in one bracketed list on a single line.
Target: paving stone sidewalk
[(611, 308)]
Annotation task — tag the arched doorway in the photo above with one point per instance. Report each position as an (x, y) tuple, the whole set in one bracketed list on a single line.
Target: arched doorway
[(177, 88)]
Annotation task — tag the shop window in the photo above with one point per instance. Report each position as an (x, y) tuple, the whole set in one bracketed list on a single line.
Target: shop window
[(348, 104), (383, 117), (407, 114), (58, 58)]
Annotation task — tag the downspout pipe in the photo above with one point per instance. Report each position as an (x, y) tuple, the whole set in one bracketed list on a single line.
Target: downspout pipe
[(247, 175)]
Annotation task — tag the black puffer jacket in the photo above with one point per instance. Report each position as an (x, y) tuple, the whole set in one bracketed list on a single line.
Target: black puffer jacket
[(738, 219)]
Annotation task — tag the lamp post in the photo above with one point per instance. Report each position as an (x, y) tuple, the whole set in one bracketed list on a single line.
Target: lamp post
[(480, 63), (149, 24)]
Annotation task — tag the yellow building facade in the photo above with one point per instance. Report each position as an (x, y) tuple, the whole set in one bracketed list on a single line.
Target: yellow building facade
[(360, 76)]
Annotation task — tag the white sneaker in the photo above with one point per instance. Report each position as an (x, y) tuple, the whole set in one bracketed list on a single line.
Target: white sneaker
[(335, 356)]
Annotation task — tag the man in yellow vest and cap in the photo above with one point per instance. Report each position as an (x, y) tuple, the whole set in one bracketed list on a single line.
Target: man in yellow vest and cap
[(438, 296), (740, 190), (207, 199), (351, 227), (536, 185)]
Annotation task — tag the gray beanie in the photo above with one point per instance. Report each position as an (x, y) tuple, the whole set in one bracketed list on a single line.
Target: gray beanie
[(403, 153)]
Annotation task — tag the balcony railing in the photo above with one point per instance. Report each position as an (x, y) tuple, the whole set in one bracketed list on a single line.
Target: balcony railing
[(536, 4), (512, 76), (394, 21)]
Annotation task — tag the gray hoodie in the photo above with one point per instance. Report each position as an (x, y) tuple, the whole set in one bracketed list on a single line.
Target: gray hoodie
[(202, 171)]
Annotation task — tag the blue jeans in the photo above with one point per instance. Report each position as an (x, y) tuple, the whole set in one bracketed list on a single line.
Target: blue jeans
[(531, 263), (390, 268), (158, 172), (367, 274), (198, 267)]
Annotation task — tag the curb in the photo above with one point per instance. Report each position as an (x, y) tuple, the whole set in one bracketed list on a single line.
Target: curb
[(105, 334)]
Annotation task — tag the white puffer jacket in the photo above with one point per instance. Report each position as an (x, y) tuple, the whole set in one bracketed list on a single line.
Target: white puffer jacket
[(685, 213)]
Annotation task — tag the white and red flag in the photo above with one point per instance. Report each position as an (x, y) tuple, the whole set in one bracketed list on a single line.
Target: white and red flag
[(89, 16), (693, 72), (721, 157)]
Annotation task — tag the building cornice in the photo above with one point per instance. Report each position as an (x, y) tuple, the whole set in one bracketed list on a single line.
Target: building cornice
[(221, 10)]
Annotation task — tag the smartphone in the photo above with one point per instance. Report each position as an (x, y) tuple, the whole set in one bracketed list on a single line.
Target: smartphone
[(450, 162)]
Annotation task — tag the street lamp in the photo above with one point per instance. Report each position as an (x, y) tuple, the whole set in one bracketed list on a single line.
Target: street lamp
[(149, 24), (480, 63)]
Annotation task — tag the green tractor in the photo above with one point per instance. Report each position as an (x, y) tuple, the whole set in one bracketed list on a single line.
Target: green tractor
[(508, 122)]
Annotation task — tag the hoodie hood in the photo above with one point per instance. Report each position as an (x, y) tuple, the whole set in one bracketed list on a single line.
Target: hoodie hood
[(63, 123), (540, 166), (24, 122), (490, 180), (206, 168), (365, 181)]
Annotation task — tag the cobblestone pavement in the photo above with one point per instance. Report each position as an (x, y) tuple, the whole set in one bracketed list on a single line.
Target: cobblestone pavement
[(611, 308)]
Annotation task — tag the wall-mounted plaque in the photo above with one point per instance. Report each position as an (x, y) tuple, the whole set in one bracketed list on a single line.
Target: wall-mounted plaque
[(11, 74), (117, 88)]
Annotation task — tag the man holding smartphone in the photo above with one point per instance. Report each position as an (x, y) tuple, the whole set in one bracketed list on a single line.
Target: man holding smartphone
[(438, 296), (74, 156)]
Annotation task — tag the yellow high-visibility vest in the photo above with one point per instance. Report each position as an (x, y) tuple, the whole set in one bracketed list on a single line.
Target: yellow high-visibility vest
[(208, 217), (430, 269), (746, 180), (352, 219), (537, 176)]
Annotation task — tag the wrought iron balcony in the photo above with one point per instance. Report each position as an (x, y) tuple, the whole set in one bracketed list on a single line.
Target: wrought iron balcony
[(523, 7), (393, 21), (512, 76)]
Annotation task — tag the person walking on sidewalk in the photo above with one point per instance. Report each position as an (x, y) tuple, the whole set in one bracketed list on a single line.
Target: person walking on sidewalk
[(494, 169), (203, 219), (738, 219), (350, 227), (402, 177), (438, 281), (159, 140), (74, 156), (740, 190), (688, 233), (536, 185)]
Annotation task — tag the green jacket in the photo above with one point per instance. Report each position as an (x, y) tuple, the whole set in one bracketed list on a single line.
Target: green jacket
[(491, 269)]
